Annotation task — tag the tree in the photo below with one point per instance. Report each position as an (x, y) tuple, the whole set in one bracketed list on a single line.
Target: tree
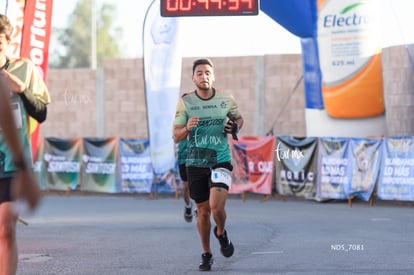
[(74, 49)]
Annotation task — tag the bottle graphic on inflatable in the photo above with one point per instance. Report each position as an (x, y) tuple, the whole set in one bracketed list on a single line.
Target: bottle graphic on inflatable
[(350, 58)]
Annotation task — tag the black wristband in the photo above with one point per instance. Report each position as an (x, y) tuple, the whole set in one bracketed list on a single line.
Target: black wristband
[(6, 65), (21, 164), (235, 128)]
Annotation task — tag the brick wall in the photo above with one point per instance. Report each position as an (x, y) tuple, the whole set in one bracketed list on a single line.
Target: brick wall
[(73, 110), (111, 102), (125, 110), (398, 72)]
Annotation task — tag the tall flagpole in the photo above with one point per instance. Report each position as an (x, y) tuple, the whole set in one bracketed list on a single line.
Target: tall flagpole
[(93, 34)]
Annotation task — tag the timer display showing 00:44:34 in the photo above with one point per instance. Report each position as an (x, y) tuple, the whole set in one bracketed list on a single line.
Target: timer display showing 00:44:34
[(170, 8)]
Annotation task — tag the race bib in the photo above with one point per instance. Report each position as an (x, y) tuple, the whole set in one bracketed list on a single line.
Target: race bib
[(15, 107), (17, 115), (221, 175)]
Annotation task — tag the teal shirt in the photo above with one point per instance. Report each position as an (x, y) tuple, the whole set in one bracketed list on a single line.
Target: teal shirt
[(27, 72), (207, 145), (182, 151), (6, 157)]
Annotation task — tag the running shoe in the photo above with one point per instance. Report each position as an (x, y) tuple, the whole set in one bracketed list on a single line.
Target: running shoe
[(226, 247), (206, 262), (188, 213)]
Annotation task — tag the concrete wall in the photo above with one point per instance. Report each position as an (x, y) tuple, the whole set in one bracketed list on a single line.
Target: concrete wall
[(398, 72), (111, 101), (72, 112)]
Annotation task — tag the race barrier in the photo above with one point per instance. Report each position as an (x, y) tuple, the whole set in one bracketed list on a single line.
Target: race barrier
[(313, 168)]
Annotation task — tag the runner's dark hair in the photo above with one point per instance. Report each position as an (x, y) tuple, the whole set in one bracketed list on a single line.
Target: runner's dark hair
[(202, 61)]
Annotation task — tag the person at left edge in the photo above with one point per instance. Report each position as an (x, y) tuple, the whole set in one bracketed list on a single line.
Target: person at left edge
[(29, 97)]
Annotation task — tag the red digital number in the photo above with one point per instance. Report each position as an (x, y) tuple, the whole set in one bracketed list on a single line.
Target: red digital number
[(218, 3), (175, 5), (170, 6), (234, 5), (249, 2), (185, 7), (206, 2)]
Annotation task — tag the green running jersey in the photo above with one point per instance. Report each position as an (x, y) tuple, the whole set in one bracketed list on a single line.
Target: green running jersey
[(26, 71), (207, 145)]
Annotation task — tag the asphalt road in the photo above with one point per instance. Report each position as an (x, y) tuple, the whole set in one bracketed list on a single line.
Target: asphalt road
[(112, 234)]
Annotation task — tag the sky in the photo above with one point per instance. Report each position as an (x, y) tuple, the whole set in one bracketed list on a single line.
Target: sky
[(234, 35), (238, 35)]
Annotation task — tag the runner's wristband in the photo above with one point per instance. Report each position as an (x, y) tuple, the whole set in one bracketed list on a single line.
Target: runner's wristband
[(6, 65), (21, 164), (234, 130)]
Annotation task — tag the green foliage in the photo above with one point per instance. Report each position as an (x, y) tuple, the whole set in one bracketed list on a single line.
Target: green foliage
[(74, 41)]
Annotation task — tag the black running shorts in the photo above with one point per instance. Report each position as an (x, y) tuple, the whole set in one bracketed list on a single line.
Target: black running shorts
[(5, 190), (182, 169), (200, 181)]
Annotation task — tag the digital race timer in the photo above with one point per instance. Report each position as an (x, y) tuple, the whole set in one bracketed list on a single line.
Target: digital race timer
[(171, 8)]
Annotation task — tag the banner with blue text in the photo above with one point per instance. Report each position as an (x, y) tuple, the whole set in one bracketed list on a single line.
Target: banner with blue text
[(61, 162), (135, 173), (365, 160), (396, 180), (99, 165), (335, 171)]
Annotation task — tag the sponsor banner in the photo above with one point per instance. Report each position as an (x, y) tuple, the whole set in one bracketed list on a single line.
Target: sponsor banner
[(396, 180), (312, 74), (296, 166), (36, 33), (61, 163), (299, 17), (296, 16), (162, 72), (342, 70), (35, 40), (365, 161), (166, 183), (135, 167), (39, 166), (335, 169), (253, 160), (99, 165), (350, 57)]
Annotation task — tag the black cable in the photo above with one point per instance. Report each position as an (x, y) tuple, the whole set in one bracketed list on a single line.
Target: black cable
[(270, 132)]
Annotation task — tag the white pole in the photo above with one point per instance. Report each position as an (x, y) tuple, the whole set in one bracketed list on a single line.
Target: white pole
[(93, 35)]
